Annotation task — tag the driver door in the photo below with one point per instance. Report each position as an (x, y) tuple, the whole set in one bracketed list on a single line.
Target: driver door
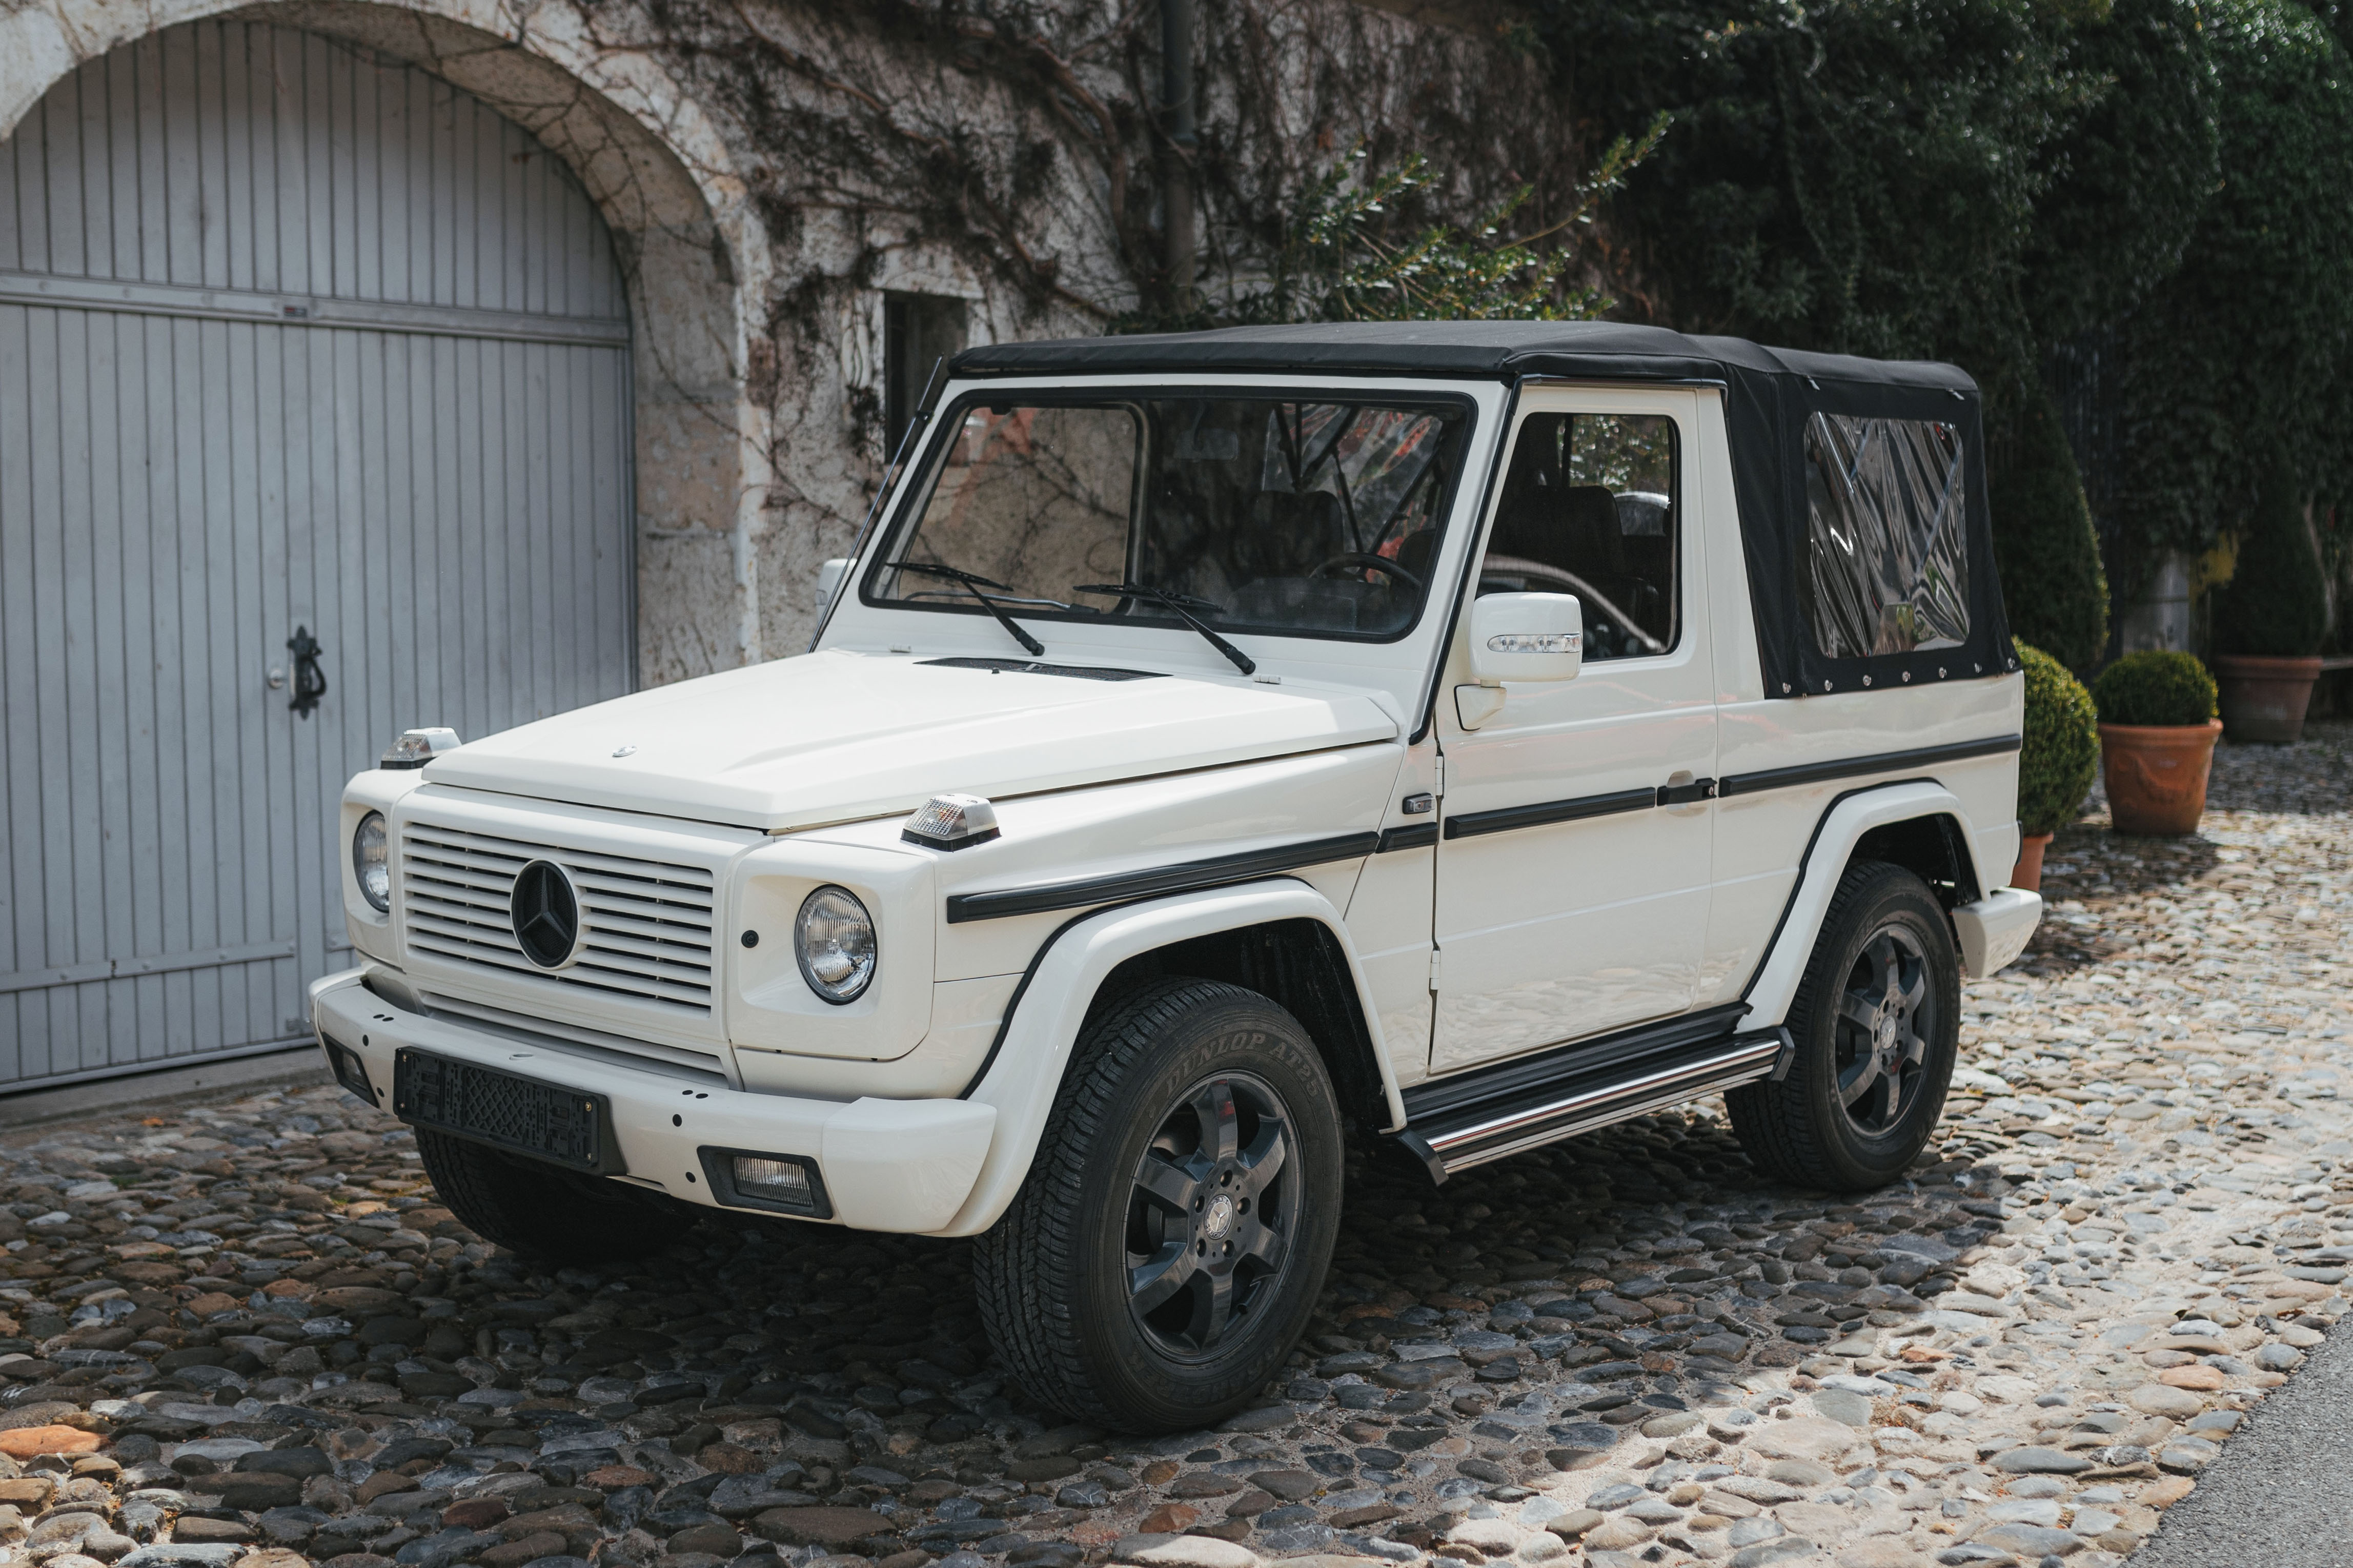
[(1572, 895)]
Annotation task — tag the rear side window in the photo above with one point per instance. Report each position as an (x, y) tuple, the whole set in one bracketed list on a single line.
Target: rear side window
[(1887, 568), (1590, 508)]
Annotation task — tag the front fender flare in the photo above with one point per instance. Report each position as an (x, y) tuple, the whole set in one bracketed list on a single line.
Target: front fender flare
[(1775, 984), (1025, 1071)]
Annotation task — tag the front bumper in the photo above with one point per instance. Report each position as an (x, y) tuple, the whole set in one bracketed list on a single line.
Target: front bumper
[(886, 1164)]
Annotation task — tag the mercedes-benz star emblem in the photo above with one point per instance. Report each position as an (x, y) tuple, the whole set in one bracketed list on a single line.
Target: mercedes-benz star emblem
[(546, 914), (625, 751)]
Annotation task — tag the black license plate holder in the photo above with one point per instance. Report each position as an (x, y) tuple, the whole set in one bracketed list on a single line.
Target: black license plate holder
[(564, 1126)]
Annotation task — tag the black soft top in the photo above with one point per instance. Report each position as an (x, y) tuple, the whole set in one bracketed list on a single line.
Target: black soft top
[(1769, 396), (1499, 350)]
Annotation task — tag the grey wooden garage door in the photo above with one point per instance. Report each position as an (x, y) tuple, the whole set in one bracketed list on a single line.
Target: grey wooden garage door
[(292, 336)]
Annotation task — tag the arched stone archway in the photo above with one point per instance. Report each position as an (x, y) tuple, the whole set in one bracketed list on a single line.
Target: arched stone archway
[(327, 331), (694, 253)]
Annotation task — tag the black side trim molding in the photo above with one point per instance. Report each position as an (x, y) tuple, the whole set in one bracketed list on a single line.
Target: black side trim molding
[(1504, 819), (1857, 767), (1184, 877), (1413, 836)]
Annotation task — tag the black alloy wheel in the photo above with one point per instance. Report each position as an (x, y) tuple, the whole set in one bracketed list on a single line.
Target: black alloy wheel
[(1210, 1215), (1166, 1248), (1887, 1015), (1876, 1025)]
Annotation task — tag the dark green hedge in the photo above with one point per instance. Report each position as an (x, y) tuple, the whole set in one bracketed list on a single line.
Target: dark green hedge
[(2156, 687), (2156, 187), (2062, 752)]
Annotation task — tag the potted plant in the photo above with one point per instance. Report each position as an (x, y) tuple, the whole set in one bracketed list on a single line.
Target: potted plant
[(2270, 622), (2055, 766), (2157, 731)]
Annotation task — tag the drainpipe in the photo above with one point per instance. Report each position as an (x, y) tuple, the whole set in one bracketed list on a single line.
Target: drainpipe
[(1177, 108)]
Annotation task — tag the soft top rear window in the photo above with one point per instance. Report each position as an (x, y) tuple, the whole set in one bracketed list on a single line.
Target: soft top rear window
[(1887, 548), (1314, 515)]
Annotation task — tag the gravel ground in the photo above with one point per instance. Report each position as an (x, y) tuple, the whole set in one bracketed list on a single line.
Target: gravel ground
[(250, 1334)]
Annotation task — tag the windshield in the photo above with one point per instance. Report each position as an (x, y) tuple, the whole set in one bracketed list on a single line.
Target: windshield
[(1238, 513)]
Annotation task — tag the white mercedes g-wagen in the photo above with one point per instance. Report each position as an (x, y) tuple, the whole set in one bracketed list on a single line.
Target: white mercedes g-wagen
[(1466, 734)]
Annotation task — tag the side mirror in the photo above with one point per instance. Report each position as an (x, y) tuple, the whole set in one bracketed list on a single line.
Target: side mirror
[(1527, 637), (830, 575)]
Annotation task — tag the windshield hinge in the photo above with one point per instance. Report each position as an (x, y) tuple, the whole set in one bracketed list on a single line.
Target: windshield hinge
[(1435, 956)]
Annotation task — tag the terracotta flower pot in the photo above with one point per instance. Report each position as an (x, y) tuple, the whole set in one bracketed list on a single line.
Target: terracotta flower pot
[(2263, 698), (2155, 776), (2027, 874)]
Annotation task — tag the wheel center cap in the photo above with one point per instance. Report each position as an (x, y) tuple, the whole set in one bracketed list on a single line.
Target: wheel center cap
[(1884, 1037), (1219, 1218)]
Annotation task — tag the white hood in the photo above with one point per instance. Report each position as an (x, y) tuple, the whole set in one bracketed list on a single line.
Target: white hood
[(833, 737)]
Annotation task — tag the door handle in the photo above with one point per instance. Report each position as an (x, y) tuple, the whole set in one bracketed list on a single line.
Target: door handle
[(309, 680), (1688, 794)]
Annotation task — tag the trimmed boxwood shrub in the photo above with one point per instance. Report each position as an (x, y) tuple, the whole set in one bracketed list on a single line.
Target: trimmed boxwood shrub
[(2043, 543), (2276, 603), (2062, 751), (2155, 687)]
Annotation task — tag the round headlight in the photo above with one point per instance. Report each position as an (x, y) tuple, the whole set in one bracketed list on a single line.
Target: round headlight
[(834, 940), (371, 864)]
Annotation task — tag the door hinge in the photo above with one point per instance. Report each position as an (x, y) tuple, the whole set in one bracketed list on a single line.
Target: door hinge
[(1436, 958), (1438, 776)]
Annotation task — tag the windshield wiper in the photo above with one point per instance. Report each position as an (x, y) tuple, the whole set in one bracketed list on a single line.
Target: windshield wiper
[(1181, 606), (973, 583)]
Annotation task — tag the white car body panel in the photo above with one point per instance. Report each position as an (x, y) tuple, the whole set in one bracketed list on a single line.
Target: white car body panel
[(1028, 1069), (837, 736), (1775, 984), (1588, 924)]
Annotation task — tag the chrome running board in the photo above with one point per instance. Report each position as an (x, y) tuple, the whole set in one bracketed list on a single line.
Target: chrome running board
[(1591, 1098)]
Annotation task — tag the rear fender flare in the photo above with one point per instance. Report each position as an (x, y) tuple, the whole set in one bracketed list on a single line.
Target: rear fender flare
[(1025, 1073), (1775, 984)]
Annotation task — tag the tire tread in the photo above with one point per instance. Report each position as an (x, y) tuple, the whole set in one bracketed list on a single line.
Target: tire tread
[(1776, 1122), (1024, 1267), (541, 1213)]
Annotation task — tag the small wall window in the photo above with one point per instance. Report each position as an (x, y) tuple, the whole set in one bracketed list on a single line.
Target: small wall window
[(1590, 508), (1887, 559), (918, 331)]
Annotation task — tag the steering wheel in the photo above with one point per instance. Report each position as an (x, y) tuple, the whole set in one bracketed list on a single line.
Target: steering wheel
[(1369, 562)]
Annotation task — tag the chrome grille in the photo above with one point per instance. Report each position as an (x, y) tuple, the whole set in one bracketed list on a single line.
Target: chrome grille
[(648, 922)]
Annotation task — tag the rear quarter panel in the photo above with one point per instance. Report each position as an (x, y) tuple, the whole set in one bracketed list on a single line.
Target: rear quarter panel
[(1761, 840)]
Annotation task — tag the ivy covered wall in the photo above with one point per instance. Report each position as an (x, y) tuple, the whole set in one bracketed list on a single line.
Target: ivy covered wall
[(2154, 186), (1012, 156)]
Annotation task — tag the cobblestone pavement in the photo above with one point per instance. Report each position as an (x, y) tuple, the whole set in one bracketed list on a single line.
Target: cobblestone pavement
[(251, 1331)]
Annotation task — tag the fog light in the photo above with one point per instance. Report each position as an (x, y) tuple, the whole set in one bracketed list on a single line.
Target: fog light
[(784, 1183), (350, 1071)]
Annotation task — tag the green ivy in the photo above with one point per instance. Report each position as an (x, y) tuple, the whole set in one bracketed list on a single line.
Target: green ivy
[(1354, 251), (2159, 182), (2242, 355)]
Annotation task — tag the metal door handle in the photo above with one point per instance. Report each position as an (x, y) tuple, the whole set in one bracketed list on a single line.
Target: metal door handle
[(309, 680)]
